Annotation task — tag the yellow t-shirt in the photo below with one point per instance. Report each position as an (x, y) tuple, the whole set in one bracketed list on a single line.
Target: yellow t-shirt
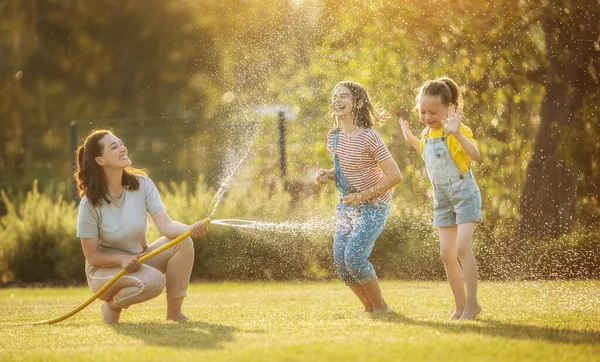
[(458, 153)]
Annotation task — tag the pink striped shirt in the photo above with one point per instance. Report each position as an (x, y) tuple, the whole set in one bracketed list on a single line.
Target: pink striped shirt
[(359, 157)]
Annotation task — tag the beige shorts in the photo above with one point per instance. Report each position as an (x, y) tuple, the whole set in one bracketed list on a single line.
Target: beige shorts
[(171, 268)]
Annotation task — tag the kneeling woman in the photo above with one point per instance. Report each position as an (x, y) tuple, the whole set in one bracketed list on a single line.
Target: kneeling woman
[(112, 225)]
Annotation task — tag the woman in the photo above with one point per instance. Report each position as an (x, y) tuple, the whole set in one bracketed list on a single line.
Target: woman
[(112, 225)]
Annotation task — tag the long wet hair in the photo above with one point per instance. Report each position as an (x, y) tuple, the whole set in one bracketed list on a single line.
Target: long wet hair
[(366, 116), (89, 175), (445, 88)]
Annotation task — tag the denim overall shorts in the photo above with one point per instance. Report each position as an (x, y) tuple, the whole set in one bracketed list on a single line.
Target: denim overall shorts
[(456, 197)]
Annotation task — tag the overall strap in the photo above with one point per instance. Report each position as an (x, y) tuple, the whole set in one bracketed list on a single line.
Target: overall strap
[(336, 135), (445, 135), (341, 182)]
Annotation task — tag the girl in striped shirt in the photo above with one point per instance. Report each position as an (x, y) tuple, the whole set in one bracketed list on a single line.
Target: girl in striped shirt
[(364, 173)]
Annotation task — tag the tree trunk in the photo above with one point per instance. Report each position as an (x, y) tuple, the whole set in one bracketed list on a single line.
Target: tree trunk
[(548, 197)]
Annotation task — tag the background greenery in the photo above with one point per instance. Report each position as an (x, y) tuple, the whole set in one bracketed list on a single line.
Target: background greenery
[(180, 81)]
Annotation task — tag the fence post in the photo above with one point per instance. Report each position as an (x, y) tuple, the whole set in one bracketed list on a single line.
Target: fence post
[(75, 194), (281, 118)]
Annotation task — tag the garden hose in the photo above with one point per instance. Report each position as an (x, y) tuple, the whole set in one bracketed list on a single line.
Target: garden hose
[(112, 281)]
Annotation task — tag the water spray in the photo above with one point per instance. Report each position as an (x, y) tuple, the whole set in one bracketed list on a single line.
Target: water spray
[(311, 227)]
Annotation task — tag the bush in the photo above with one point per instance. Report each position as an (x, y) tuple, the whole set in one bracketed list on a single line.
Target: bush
[(573, 256), (228, 253), (38, 240), (408, 248)]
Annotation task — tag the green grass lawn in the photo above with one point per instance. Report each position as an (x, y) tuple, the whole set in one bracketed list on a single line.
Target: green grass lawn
[(536, 321)]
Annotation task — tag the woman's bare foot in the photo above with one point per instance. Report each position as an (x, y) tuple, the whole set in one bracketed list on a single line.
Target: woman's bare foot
[(178, 318), (174, 310), (471, 312), (110, 312)]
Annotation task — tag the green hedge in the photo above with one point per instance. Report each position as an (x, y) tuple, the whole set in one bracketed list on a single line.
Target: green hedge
[(38, 242)]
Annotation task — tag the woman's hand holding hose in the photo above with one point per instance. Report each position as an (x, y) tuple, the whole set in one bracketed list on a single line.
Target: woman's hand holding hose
[(200, 228)]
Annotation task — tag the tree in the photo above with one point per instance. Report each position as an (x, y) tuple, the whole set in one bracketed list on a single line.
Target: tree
[(93, 60), (571, 58)]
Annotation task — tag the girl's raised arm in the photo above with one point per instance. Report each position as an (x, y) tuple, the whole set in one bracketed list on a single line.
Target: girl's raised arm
[(453, 126), (408, 135)]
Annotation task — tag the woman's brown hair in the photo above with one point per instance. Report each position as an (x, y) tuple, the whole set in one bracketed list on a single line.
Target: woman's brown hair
[(366, 116), (89, 175)]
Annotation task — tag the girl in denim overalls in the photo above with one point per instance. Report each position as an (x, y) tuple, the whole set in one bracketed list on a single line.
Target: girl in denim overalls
[(364, 173), (447, 147)]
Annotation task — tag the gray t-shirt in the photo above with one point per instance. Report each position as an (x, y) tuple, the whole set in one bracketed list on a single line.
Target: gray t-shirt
[(120, 226)]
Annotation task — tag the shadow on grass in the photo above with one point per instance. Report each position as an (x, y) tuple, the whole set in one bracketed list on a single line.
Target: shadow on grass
[(500, 329), (199, 335)]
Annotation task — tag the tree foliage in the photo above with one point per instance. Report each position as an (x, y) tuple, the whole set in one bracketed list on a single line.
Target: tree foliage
[(528, 70)]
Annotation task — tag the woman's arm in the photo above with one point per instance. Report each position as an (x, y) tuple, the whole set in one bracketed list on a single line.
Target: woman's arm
[(172, 229), (392, 177), (107, 260)]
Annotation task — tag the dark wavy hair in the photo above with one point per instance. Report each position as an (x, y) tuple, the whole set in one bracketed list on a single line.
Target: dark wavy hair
[(89, 175), (445, 88), (367, 116)]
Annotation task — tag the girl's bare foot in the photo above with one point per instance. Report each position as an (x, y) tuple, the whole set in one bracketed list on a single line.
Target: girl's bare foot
[(471, 312), (110, 312), (178, 318), (383, 308), (457, 314)]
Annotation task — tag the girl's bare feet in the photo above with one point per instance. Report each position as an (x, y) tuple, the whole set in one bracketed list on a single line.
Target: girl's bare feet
[(471, 312), (111, 312)]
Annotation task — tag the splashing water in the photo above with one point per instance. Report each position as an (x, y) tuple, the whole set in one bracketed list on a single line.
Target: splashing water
[(234, 160), (225, 185), (309, 227)]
